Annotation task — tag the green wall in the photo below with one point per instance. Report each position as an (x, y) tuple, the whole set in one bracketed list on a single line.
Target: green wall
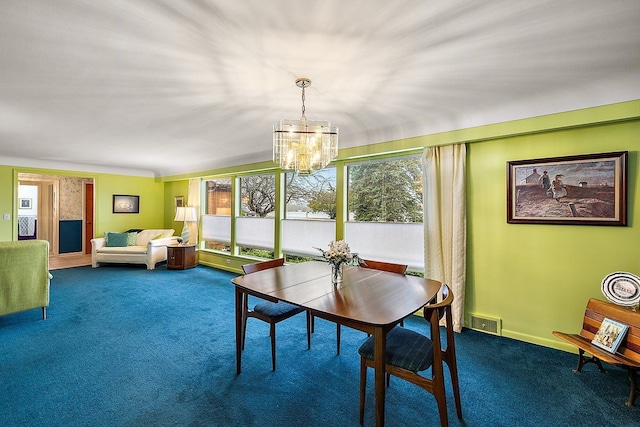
[(172, 190), (8, 194), (152, 206), (538, 278)]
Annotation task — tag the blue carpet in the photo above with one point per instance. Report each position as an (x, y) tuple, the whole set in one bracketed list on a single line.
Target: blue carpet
[(123, 346)]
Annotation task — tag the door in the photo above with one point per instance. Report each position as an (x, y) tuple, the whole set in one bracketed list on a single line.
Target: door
[(88, 216), (48, 214)]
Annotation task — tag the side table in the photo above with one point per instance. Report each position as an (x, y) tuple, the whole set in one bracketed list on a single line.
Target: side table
[(181, 257)]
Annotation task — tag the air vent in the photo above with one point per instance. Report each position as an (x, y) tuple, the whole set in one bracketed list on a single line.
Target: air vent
[(490, 325)]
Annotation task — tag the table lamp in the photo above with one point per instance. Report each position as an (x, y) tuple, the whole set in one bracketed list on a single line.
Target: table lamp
[(186, 214)]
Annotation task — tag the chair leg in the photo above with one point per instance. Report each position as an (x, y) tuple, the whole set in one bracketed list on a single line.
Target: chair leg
[(44, 313), (244, 325), (363, 386), (633, 379), (272, 332), (450, 359), (309, 320), (337, 338), (441, 400)]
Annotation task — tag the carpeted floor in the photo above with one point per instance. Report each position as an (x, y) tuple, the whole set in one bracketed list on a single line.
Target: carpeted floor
[(123, 346)]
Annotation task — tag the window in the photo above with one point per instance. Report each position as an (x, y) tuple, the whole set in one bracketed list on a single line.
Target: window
[(255, 223), (310, 213), (216, 223), (385, 210)]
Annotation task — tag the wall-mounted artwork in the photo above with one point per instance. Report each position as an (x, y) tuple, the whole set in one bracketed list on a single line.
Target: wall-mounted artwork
[(24, 203), (179, 201), (126, 204), (589, 189)]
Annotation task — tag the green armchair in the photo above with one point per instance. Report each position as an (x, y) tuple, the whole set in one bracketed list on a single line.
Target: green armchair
[(24, 276)]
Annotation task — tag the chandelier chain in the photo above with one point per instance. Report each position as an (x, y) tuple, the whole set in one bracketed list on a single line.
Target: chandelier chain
[(303, 102)]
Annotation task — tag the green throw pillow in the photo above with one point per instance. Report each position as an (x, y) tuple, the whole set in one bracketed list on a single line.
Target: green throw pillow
[(116, 240), (131, 239)]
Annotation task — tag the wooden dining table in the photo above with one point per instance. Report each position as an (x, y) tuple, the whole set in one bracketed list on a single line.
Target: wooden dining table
[(368, 300)]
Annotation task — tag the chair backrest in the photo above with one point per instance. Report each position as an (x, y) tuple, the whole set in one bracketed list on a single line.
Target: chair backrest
[(383, 266), (258, 266), (435, 311), (442, 307)]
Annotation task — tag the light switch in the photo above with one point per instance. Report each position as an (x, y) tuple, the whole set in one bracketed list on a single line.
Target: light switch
[(7, 217)]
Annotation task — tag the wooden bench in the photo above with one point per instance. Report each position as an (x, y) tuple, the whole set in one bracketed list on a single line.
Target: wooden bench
[(628, 354)]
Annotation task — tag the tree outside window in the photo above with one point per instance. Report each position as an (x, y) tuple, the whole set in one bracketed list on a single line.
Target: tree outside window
[(311, 197), (386, 191)]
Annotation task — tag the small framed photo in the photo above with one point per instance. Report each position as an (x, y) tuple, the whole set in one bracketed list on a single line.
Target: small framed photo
[(179, 201), (126, 204), (24, 203), (588, 189)]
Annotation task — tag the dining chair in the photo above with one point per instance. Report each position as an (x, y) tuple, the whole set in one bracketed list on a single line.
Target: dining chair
[(270, 312), (409, 352), (375, 265)]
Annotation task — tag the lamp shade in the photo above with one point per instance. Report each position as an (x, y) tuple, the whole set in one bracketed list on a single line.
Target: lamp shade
[(186, 213)]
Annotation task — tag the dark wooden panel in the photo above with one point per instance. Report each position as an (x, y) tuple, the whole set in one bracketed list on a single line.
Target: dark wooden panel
[(70, 239)]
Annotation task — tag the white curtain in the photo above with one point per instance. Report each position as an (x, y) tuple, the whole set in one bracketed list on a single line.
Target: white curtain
[(193, 199), (445, 221)]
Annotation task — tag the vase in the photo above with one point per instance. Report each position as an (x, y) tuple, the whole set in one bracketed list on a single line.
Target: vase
[(186, 236), (336, 274)]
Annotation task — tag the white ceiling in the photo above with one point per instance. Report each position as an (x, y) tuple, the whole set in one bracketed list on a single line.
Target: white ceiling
[(161, 87)]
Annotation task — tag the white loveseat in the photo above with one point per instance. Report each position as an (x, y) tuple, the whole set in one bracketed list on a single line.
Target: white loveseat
[(150, 248)]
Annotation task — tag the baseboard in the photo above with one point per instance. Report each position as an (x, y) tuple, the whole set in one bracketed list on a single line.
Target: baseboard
[(545, 342)]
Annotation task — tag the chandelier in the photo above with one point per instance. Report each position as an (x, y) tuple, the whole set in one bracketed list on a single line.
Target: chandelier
[(304, 145)]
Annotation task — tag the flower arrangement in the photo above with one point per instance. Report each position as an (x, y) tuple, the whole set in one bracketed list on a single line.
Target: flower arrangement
[(338, 255)]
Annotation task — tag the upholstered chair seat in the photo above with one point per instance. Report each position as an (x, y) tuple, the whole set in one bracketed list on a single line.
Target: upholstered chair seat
[(277, 310), (406, 349)]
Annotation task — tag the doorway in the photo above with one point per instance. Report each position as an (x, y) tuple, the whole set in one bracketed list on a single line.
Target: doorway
[(63, 211), (88, 216)]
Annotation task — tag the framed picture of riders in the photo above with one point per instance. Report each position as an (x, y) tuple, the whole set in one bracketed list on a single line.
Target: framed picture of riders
[(586, 189)]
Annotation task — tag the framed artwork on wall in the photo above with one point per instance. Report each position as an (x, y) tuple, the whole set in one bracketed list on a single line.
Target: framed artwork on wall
[(179, 201), (126, 204), (588, 189), (24, 203)]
